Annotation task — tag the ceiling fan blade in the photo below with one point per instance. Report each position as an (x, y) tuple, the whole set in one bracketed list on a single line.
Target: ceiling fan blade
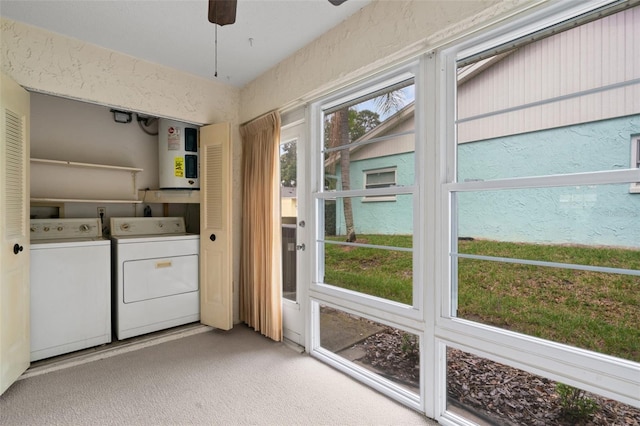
[(222, 12), (337, 2)]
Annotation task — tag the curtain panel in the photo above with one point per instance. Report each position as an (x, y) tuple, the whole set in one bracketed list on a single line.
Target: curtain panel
[(260, 261)]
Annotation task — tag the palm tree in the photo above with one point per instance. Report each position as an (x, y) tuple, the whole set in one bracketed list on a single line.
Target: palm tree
[(339, 135)]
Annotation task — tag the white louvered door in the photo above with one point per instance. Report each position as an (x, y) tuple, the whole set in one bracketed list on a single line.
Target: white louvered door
[(216, 272), (14, 232)]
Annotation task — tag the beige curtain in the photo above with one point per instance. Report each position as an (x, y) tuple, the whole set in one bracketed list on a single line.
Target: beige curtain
[(261, 248)]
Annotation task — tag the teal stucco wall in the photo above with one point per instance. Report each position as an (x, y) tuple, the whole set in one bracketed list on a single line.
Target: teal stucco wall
[(380, 217), (606, 215)]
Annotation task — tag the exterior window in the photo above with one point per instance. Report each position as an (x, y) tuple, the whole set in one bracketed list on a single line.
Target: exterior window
[(379, 178), (542, 247), (364, 267), (635, 162)]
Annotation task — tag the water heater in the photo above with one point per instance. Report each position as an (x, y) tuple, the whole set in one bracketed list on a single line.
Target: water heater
[(178, 155)]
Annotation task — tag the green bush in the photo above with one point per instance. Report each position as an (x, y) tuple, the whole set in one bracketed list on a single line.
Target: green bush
[(575, 404)]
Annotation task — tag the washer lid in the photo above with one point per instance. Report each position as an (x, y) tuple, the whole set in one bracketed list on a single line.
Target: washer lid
[(136, 226)]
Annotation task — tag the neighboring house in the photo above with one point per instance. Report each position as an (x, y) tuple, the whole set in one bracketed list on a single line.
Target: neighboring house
[(288, 202), (598, 130), (390, 163)]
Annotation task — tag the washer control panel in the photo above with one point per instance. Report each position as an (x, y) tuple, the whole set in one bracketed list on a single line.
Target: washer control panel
[(140, 226), (65, 229)]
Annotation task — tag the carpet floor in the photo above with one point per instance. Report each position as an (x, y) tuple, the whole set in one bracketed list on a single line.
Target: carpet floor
[(211, 378)]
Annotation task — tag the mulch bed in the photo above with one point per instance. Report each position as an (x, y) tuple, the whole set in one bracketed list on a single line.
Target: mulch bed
[(499, 394)]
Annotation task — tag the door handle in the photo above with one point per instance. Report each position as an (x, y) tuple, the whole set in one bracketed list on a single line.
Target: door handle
[(300, 247), (17, 248), (212, 237)]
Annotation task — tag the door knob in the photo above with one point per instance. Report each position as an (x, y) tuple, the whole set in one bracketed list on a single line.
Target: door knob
[(17, 248), (212, 237), (300, 247)]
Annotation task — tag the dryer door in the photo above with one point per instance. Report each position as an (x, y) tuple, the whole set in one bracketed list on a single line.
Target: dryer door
[(147, 279)]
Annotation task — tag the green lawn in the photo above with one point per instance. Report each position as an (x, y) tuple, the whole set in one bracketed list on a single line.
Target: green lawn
[(597, 311)]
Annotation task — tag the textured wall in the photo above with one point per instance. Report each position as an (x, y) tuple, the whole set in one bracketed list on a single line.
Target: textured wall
[(50, 63), (369, 40), (380, 217), (47, 62), (587, 214)]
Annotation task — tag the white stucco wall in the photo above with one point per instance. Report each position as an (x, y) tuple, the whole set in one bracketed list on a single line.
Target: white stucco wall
[(370, 40), (47, 62)]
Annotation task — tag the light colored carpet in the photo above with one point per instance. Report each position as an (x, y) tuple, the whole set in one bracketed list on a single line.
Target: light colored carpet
[(211, 378)]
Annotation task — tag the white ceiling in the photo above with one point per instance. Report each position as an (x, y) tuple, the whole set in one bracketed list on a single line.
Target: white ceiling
[(177, 33)]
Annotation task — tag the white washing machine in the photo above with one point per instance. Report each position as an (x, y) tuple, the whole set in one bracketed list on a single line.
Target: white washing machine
[(155, 274), (70, 286)]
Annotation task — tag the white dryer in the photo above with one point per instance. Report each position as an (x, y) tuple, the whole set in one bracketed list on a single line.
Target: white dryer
[(70, 275), (155, 274)]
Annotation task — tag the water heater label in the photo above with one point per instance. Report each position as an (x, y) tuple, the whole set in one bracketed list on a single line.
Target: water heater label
[(178, 166), (173, 138)]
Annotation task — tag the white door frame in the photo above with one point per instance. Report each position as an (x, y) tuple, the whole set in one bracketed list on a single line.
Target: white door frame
[(294, 313)]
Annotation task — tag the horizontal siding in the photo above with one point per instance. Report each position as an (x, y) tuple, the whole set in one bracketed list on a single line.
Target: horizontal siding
[(601, 53)]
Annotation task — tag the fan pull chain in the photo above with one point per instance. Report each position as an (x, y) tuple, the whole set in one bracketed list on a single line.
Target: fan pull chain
[(216, 54)]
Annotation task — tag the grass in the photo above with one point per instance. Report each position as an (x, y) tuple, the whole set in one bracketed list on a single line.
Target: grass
[(592, 310)]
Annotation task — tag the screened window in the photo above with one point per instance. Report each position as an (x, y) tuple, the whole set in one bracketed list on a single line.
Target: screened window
[(368, 243), (543, 253)]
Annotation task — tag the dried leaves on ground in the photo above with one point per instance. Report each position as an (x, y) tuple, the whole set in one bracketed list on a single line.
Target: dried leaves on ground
[(500, 394)]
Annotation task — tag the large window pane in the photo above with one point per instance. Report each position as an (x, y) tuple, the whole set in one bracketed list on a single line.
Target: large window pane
[(380, 262), (558, 263), (377, 272), (388, 352), (368, 216), (289, 215), (372, 133), (567, 103), (582, 215), (488, 392), (591, 310)]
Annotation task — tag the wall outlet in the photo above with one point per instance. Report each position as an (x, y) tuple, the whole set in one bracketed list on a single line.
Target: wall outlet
[(102, 211)]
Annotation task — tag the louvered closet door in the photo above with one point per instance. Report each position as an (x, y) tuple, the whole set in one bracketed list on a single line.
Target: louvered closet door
[(14, 231), (216, 275)]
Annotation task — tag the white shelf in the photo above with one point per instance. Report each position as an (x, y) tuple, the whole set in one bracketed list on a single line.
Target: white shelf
[(81, 200), (183, 196), (58, 181), (85, 165)]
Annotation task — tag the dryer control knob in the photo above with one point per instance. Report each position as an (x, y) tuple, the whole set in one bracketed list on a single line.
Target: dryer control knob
[(60, 228), (84, 228), (124, 226)]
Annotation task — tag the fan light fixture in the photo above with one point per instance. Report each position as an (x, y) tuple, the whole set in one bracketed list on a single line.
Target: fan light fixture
[(222, 12)]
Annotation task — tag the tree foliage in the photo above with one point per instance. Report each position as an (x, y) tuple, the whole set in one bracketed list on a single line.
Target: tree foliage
[(361, 122), (288, 169)]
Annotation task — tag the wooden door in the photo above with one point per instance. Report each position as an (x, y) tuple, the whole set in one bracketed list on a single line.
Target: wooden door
[(216, 255), (14, 232)]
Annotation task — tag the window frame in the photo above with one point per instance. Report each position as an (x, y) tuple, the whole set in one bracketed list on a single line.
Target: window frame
[(401, 316), (634, 188), (599, 373), (376, 198), (405, 315)]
